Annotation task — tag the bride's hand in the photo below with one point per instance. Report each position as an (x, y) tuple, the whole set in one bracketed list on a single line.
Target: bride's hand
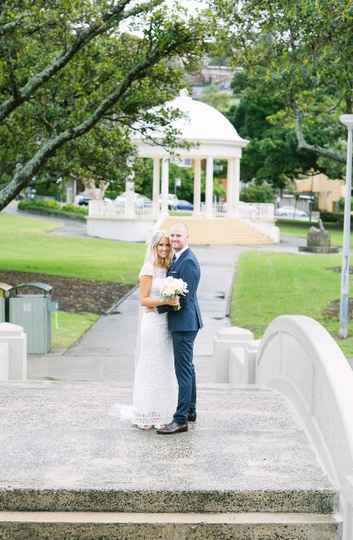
[(173, 301)]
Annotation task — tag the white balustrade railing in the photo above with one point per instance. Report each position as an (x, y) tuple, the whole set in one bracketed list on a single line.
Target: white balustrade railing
[(299, 358), (257, 212), (118, 209)]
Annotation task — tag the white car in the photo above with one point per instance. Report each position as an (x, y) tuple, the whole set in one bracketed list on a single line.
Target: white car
[(290, 212), (141, 200)]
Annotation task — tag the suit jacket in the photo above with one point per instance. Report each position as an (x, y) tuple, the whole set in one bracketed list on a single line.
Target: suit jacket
[(188, 318)]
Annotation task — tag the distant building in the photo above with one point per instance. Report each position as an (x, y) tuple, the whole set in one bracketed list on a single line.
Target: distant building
[(328, 191)]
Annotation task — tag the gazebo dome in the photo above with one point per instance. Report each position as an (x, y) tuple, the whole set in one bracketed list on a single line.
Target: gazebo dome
[(202, 122), (199, 124)]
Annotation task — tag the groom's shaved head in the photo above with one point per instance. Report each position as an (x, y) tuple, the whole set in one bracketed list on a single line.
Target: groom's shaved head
[(179, 236)]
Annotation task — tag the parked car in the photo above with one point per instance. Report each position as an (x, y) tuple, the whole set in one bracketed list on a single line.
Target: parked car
[(141, 200), (82, 200), (291, 213), (183, 205)]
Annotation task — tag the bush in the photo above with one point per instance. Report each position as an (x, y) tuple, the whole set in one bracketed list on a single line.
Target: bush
[(75, 209), (260, 194), (111, 194), (53, 208), (38, 203)]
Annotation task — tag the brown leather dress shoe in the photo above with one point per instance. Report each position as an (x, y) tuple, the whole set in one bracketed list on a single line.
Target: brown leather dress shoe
[(172, 428)]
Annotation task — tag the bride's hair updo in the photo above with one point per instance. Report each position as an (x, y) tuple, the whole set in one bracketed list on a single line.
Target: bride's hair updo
[(156, 238)]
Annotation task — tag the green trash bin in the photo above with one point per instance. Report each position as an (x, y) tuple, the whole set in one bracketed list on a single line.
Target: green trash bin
[(5, 290), (33, 313)]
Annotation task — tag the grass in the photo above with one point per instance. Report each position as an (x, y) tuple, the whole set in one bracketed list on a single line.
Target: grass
[(272, 284), (68, 327), (301, 229), (27, 245)]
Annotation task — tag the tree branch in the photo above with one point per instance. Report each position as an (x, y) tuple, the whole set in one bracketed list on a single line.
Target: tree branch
[(110, 19), (24, 173), (319, 150)]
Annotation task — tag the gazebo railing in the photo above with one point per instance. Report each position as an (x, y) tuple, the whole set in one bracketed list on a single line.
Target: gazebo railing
[(261, 212), (252, 211), (118, 209)]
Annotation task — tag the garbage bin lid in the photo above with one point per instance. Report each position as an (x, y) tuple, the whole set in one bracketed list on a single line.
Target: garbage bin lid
[(37, 285), (5, 287)]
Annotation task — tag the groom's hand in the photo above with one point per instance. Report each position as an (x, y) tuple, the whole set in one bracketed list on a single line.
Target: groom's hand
[(163, 309)]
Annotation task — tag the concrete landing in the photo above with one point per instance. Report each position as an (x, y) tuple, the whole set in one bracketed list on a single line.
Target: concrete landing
[(64, 449)]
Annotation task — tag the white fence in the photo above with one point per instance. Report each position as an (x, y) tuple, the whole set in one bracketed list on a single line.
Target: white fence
[(298, 357), (256, 212)]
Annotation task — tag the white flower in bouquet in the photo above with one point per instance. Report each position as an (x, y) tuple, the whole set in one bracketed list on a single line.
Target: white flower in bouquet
[(173, 287)]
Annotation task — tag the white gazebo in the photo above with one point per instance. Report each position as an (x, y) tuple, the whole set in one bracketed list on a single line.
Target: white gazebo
[(209, 136)]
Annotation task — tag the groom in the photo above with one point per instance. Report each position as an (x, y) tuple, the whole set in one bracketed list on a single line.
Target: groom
[(183, 325)]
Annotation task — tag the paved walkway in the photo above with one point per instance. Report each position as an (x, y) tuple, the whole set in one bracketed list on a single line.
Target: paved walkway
[(106, 351)]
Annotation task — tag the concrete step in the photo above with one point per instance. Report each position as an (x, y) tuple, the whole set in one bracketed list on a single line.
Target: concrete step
[(64, 447), (175, 526), (219, 231)]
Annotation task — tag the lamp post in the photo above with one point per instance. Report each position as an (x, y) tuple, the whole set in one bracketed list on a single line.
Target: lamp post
[(347, 120)]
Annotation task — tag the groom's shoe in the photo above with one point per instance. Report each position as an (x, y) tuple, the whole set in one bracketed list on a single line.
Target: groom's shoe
[(192, 417), (172, 428)]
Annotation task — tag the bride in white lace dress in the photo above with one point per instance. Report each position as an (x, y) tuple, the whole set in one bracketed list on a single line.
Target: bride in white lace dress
[(155, 389)]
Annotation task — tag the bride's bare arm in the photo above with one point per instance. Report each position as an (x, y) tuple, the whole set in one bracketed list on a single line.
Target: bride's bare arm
[(145, 298)]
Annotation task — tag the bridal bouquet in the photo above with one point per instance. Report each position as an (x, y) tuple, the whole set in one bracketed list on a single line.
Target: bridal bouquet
[(173, 287)]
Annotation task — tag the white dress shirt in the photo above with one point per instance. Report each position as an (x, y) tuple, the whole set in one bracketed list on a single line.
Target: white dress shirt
[(178, 253)]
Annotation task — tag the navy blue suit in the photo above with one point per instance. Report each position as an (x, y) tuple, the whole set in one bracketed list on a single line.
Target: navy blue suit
[(184, 325)]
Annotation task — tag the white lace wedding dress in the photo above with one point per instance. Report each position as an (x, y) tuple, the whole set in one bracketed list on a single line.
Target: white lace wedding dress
[(155, 391)]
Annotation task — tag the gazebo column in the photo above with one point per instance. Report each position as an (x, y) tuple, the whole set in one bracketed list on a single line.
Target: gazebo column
[(233, 185), (237, 179), (197, 187), (209, 187), (156, 186), (165, 186)]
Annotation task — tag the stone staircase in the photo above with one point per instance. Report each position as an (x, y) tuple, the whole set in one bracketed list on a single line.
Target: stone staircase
[(72, 469), (219, 231)]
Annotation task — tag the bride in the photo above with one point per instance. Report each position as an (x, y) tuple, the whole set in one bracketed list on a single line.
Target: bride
[(155, 386)]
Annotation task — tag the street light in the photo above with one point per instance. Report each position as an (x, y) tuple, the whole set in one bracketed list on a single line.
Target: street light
[(347, 120)]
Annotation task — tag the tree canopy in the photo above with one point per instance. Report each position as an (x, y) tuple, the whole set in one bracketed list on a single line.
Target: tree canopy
[(300, 54), (76, 75)]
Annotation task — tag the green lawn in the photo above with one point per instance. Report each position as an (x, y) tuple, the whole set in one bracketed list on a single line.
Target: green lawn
[(272, 284), (68, 327), (27, 245), (301, 229)]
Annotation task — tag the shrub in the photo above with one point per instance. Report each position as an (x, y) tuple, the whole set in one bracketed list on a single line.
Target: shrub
[(53, 208), (260, 194)]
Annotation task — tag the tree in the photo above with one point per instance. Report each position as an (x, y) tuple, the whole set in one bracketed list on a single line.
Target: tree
[(301, 53), (67, 108), (272, 153)]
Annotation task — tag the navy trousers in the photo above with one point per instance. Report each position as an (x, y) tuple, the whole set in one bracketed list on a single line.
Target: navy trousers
[(183, 345)]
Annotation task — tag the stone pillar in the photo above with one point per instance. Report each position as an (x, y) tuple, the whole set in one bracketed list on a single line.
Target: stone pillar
[(165, 186), (209, 187), (156, 186), (130, 199), (13, 352), (197, 187)]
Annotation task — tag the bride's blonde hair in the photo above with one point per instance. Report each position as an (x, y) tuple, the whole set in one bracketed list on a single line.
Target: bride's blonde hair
[(156, 238)]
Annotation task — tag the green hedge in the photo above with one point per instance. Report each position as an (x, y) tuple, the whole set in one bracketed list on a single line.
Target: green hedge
[(53, 208)]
